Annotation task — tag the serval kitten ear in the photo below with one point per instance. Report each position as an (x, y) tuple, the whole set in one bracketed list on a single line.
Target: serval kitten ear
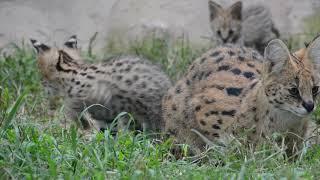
[(40, 47), (314, 51), (214, 9), (236, 10), (277, 53), (72, 42)]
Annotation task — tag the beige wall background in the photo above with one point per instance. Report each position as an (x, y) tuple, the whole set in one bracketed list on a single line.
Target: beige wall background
[(53, 21)]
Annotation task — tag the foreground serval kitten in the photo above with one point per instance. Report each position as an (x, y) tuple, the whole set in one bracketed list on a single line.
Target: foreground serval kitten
[(123, 84), (231, 91), (251, 26)]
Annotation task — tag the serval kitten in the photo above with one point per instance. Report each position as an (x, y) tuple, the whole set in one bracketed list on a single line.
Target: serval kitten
[(230, 91), (252, 26), (123, 84)]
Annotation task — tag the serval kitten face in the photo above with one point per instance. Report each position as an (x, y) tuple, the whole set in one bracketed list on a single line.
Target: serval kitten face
[(292, 81), (226, 23)]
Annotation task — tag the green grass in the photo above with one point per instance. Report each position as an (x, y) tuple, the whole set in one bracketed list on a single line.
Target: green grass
[(34, 145)]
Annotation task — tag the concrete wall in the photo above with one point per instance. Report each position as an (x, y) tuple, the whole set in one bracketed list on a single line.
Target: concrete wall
[(53, 21)]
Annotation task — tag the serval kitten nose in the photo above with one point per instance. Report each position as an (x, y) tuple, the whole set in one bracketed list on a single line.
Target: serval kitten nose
[(309, 106)]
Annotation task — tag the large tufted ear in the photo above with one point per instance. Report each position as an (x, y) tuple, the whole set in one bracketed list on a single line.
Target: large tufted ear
[(39, 46), (277, 54), (314, 51), (72, 42), (214, 9), (236, 10)]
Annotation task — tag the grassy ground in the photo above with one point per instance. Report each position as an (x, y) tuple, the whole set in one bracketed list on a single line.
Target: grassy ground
[(33, 144)]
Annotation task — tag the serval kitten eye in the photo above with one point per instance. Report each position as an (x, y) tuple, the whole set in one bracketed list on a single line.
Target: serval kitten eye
[(219, 32), (315, 90), (294, 92), (231, 32)]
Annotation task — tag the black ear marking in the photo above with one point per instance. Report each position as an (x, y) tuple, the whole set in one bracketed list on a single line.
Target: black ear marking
[(306, 44), (236, 10), (39, 46), (214, 9), (72, 42)]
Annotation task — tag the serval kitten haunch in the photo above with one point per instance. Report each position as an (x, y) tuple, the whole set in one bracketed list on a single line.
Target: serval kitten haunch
[(122, 84), (231, 91)]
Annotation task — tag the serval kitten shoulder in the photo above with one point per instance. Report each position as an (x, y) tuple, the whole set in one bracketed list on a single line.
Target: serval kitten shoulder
[(229, 91)]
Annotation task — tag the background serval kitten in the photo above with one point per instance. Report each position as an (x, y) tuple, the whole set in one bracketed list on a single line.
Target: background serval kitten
[(231, 91), (126, 83), (252, 26)]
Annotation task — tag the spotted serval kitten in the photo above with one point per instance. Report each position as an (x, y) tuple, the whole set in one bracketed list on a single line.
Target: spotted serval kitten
[(123, 84), (231, 91), (252, 26)]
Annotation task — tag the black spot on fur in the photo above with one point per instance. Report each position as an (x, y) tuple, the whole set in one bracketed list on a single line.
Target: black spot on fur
[(178, 90), (248, 74), (119, 77), (174, 107), (231, 53), (69, 90), (188, 82), (203, 123), (128, 82), (278, 102), (215, 135), (89, 85), (119, 96), (135, 78), (232, 91), (83, 74), (77, 82), (93, 67), (72, 80), (220, 121), (208, 74), (119, 64), (215, 126), (213, 112), (215, 54), (223, 68), (100, 72), (198, 108), (236, 71), (128, 68), (143, 84), (271, 119), (90, 77), (229, 113), (219, 59), (253, 85), (241, 58)]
